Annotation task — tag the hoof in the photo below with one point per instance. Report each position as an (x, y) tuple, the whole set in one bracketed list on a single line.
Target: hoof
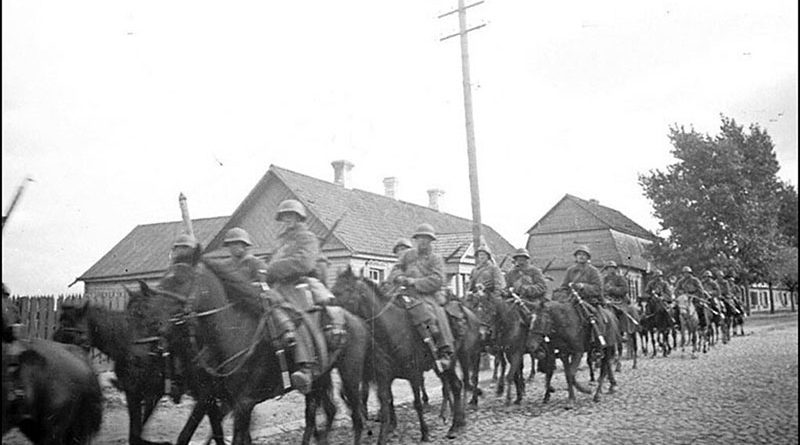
[(618, 368), (570, 405), (596, 398), (612, 389), (550, 389), (454, 432), (546, 398), (425, 438)]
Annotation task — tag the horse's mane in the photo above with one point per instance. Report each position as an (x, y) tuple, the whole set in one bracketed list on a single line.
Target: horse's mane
[(237, 287)]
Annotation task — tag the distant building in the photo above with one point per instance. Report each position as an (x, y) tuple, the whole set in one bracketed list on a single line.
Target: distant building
[(782, 297), (609, 234), (370, 224)]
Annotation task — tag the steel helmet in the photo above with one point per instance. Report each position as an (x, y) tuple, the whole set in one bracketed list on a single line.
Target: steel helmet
[(237, 234), (708, 273), (686, 269), (185, 240), (291, 205), (583, 248), (658, 273), (484, 248), (402, 242), (425, 229), (521, 252), (6, 291), (610, 264)]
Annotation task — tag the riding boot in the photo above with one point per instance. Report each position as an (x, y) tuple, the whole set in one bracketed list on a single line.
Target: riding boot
[(304, 376)]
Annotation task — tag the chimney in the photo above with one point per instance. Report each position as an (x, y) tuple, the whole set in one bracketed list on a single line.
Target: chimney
[(594, 201), (390, 187), (433, 198), (341, 172)]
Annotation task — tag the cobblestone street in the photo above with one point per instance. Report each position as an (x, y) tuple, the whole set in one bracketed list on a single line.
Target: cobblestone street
[(742, 392)]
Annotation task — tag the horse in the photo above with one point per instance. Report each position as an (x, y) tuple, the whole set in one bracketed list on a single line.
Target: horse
[(139, 365), (214, 325), (690, 322), (705, 326), (718, 320), (397, 351), (62, 401), (735, 314), (657, 325), (468, 347), (507, 322), (563, 325)]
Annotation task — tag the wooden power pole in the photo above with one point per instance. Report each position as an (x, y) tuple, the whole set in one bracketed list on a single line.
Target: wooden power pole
[(473, 163)]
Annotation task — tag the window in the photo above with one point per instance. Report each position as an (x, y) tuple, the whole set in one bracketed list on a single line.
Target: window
[(376, 274), (633, 288), (753, 298)]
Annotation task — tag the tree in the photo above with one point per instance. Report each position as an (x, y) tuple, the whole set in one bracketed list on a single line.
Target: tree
[(787, 214), (785, 270), (718, 203)]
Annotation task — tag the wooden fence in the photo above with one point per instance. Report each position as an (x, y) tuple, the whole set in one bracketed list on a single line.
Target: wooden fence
[(39, 315)]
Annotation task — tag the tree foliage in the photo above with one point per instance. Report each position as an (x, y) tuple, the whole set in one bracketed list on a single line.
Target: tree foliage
[(784, 270), (787, 214), (718, 203)]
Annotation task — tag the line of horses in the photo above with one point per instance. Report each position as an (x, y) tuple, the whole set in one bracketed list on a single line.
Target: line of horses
[(229, 361)]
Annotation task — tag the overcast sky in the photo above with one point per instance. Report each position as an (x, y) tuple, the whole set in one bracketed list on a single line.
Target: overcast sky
[(114, 108)]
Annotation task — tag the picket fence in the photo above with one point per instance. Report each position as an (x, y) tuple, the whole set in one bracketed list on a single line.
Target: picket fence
[(39, 316)]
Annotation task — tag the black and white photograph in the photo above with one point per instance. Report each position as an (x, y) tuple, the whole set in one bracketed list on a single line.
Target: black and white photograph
[(361, 222)]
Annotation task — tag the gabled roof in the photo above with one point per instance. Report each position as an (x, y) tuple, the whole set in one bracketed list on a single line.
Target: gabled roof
[(374, 222), (371, 224), (146, 248), (572, 214)]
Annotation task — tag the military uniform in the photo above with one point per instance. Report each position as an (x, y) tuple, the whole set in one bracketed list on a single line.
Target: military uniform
[(657, 287), (527, 282), (615, 288), (251, 268), (489, 276), (690, 285), (589, 277), (423, 275)]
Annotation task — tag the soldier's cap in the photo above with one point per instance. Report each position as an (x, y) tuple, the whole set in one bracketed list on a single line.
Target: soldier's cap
[(185, 240), (402, 242), (658, 272), (610, 265), (485, 249), (521, 252), (425, 229), (708, 273), (686, 269), (583, 248)]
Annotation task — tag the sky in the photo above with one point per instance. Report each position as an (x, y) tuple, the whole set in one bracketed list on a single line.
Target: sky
[(114, 108)]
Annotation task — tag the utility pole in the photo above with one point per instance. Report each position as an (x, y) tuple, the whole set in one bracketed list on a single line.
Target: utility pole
[(473, 162)]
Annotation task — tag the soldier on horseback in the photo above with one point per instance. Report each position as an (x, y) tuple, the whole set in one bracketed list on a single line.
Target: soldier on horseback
[(185, 250), (525, 279), (294, 261), (657, 288), (584, 279), (485, 281), (238, 243), (616, 289), (421, 272)]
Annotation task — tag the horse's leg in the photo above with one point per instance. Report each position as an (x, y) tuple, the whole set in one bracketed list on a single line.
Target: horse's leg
[(134, 404), (446, 401), (425, 398), (590, 364), (351, 381), (215, 416), (514, 370), (312, 400), (386, 412), (473, 379), (415, 387), (496, 364), (459, 416), (533, 367), (242, 414), (618, 356), (635, 348), (548, 376), (500, 359), (605, 366), (198, 412)]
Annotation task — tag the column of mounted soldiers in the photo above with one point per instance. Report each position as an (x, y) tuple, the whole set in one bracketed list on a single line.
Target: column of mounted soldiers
[(294, 281)]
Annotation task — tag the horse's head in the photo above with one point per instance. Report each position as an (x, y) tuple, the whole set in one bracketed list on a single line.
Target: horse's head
[(355, 293), (541, 326), (150, 310), (73, 323)]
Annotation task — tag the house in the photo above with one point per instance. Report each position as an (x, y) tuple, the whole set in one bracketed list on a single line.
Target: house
[(610, 235), (368, 226), (782, 297)]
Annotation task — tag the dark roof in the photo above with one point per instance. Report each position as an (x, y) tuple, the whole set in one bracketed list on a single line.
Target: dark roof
[(146, 248), (374, 222), (572, 214), (371, 225)]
